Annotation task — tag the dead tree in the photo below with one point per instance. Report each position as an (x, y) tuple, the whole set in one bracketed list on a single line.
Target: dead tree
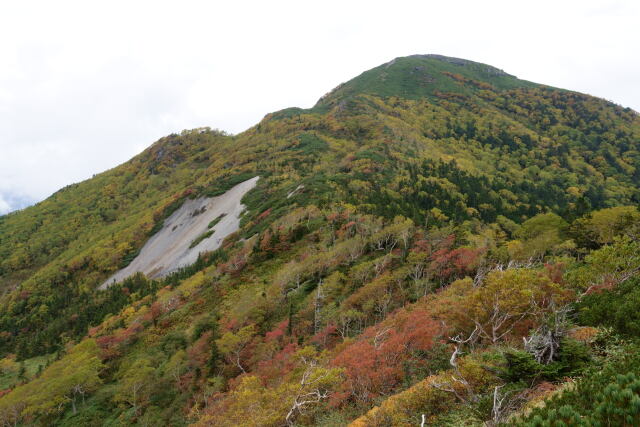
[(458, 377), (503, 405), (317, 317), (310, 391), (544, 342)]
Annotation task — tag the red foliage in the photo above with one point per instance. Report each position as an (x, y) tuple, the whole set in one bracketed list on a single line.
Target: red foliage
[(337, 218), (327, 337), (278, 332), (156, 311), (347, 230), (450, 264), (265, 242), (186, 380), (421, 245), (277, 366), (374, 363), (596, 289), (229, 324), (200, 351), (555, 272), (111, 345), (263, 215)]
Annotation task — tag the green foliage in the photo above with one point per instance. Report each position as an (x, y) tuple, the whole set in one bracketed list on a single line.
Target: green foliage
[(215, 222), (64, 383), (617, 404), (603, 226), (609, 266), (224, 184), (208, 323), (618, 308), (13, 372), (610, 384), (413, 175), (541, 225), (201, 237), (520, 366), (135, 384), (71, 311), (311, 144), (420, 76), (173, 342)]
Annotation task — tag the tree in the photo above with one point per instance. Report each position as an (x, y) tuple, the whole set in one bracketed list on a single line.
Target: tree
[(231, 345), (602, 226), (62, 383), (176, 365), (8, 365), (612, 264), (539, 235), (251, 403), (510, 300), (315, 385), (134, 384), (374, 363)]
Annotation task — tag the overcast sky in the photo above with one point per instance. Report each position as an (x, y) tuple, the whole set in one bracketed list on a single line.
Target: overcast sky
[(86, 85)]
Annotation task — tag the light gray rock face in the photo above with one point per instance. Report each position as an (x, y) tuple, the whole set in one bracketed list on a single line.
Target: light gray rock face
[(168, 249)]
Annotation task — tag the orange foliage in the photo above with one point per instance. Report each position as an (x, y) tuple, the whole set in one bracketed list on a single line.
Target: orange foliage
[(374, 363)]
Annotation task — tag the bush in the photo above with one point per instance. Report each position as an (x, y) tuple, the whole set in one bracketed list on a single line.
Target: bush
[(618, 308), (618, 404), (608, 394), (573, 358), (173, 342)]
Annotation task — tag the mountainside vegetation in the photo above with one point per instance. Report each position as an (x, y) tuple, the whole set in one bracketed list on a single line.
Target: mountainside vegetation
[(435, 242)]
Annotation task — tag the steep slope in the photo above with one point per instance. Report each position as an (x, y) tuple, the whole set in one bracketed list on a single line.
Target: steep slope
[(198, 226), (409, 177)]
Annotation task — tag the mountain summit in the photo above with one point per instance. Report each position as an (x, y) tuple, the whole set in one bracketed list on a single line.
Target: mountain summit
[(435, 242), (423, 76)]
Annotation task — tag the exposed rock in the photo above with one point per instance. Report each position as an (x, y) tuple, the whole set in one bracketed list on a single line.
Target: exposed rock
[(168, 249)]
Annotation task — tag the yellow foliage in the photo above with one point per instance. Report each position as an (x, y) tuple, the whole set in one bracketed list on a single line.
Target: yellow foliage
[(427, 397)]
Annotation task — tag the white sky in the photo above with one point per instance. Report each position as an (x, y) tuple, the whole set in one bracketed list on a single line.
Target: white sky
[(86, 85)]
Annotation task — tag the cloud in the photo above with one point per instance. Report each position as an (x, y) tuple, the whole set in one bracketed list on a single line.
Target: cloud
[(10, 202), (84, 86), (5, 207)]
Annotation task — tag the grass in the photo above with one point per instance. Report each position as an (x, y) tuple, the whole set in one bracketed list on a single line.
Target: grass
[(31, 368)]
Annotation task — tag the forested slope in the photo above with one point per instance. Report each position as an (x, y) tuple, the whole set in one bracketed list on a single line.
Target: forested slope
[(406, 234)]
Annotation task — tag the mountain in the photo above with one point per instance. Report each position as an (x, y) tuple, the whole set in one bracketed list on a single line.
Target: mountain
[(424, 76), (413, 226)]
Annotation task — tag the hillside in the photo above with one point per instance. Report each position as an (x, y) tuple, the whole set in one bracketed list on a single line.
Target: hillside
[(412, 227)]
